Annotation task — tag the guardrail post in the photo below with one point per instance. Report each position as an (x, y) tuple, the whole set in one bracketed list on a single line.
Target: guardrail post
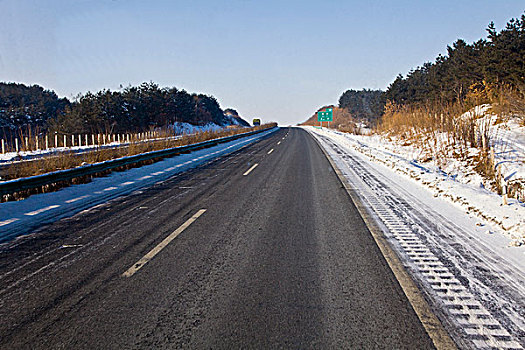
[(56, 140), (16, 145), (3, 147), (65, 141), (26, 145), (36, 142), (47, 142)]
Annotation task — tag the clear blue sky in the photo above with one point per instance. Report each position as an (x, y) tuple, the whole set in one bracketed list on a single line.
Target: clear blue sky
[(277, 60)]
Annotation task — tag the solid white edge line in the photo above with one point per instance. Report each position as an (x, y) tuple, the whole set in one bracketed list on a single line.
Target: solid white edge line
[(270, 151), (250, 170), (151, 254)]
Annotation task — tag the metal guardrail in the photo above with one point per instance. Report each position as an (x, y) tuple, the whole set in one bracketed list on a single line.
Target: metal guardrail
[(13, 186)]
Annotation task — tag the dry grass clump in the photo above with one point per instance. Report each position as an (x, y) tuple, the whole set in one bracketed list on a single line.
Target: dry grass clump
[(69, 160), (459, 130)]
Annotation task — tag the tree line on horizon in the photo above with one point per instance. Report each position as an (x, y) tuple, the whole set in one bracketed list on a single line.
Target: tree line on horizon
[(484, 68), (29, 109)]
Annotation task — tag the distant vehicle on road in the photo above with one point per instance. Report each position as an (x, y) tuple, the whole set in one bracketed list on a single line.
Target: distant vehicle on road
[(256, 122)]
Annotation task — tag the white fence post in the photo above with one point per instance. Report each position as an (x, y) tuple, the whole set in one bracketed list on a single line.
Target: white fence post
[(65, 141), (56, 140), (47, 142), (36, 141), (16, 145), (504, 190), (3, 147), (26, 146)]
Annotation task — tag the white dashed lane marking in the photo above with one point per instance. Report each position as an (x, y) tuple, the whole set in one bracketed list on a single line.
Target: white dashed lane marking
[(77, 199), (151, 254), (36, 212), (8, 221), (250, 170)]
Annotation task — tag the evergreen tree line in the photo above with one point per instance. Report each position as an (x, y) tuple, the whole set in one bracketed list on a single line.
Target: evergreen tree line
[(365, 105), (23, 106), (133, 109), (497, 61)]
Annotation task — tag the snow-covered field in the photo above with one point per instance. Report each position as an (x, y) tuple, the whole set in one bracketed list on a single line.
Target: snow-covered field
[(19, 217), (457, 240)]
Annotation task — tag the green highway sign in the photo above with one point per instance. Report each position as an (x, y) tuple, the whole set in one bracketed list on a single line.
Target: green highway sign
[(325, 116)]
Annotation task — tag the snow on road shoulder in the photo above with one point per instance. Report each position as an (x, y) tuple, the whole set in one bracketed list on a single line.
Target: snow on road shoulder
[(450, 183), (473, 275)]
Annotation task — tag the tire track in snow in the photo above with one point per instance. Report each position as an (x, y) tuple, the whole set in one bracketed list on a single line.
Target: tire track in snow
[(458, 294)]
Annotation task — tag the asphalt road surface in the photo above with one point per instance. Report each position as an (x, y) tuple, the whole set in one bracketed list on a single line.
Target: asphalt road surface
[(259, 249)]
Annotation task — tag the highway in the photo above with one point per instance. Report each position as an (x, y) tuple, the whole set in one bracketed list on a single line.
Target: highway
[(262, 248)]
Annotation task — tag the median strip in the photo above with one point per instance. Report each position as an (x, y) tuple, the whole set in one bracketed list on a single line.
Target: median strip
[(151, 254), (250, 170), (23, 187)]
